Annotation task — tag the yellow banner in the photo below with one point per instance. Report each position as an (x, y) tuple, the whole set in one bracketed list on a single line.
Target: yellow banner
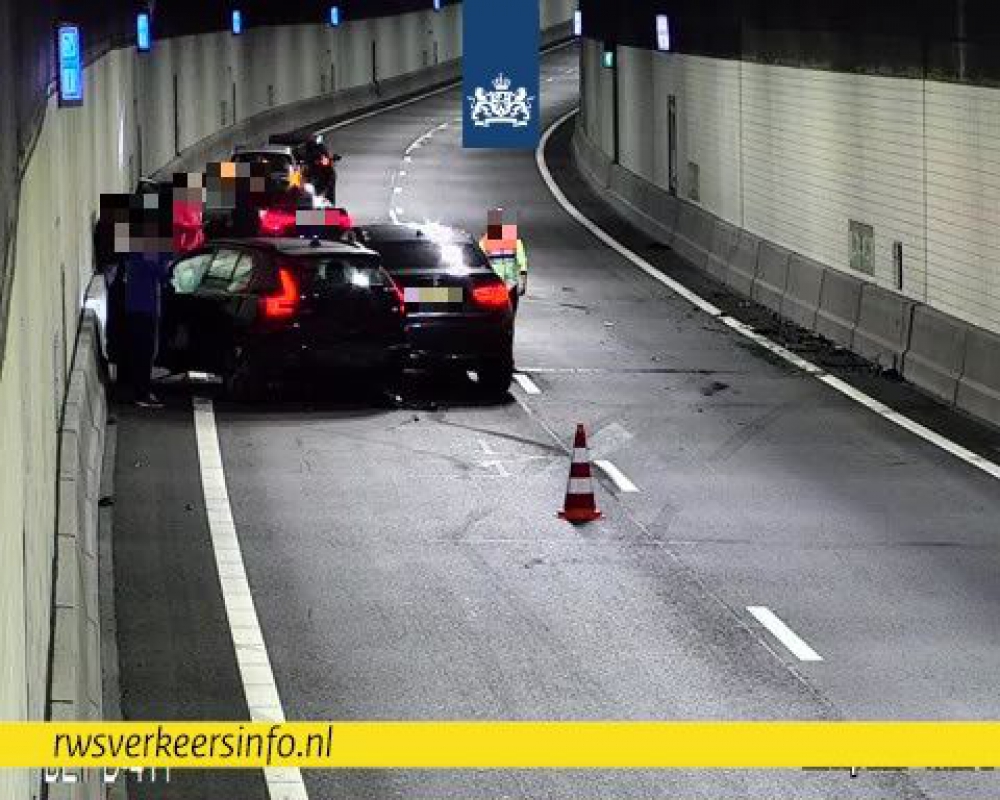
[(466, 745)]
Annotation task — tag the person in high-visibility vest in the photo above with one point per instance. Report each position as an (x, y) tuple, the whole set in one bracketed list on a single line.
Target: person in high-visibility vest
[(507, 254)]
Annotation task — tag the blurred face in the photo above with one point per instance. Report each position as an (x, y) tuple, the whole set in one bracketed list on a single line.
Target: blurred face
[(494, 223), (142, 230)]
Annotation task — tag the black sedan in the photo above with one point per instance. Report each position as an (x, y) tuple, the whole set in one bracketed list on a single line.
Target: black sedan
[(257, 310), (458, 312)]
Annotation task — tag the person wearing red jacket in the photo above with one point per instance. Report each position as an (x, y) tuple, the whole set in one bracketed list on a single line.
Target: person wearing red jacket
[(188, 213)]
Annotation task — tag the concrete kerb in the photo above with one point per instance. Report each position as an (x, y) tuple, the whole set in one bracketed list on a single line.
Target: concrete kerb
[(979, 387), (693, 234), (593, 164), (883, 330), (839, 305), (803, 287), (772, 276), (725, 239), (629, 200), (935, 358), (76, 667), (744, 264)]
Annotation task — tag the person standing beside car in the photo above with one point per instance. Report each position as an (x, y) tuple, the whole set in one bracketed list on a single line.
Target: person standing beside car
[(507, 254), (146, 242), (188, 212)]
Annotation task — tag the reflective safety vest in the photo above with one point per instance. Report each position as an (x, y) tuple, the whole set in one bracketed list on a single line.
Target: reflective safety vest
[(507, 257)]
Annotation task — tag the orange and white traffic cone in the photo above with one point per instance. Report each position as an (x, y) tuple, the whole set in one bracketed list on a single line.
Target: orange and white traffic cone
[(581, 506)]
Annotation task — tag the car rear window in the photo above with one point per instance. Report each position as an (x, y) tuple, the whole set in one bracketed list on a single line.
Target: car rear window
[(414, 256), (330, 272), (273, 162)]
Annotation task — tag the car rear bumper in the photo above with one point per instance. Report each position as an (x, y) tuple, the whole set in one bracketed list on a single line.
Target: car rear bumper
[(283, 358), (436, 340)]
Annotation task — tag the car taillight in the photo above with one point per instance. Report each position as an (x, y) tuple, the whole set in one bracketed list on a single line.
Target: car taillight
[(276, 221), (284, 303), (324, 161), (400, 297), (493, 296), (339, 218)]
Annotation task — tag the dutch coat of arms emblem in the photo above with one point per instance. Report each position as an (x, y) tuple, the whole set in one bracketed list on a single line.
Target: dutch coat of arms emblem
[(501, 106)]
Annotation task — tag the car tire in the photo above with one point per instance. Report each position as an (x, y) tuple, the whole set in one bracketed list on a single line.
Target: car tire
[(242, 380), (495, 379)]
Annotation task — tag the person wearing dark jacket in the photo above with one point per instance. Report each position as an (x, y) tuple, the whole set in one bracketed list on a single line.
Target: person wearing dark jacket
[(147, 256), (144, 275)]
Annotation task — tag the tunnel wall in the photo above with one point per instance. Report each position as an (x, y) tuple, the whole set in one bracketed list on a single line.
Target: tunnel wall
[(50, 386), (791, 154)]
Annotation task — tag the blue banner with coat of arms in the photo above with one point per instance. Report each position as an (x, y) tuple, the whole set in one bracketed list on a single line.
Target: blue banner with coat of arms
[(500, 74)]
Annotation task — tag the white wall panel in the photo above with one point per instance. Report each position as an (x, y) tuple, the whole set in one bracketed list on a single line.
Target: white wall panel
[(823, 148), (636, 101), (793, 155), (708, 128), (963, 201)]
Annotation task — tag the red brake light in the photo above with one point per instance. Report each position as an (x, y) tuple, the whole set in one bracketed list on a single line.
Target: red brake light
[(338, 218), (324, 161), (276, 221), (285, 302), (400, 297), (493, 296)]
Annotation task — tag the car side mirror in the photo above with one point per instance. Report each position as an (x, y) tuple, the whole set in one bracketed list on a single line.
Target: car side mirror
[(337, 157)]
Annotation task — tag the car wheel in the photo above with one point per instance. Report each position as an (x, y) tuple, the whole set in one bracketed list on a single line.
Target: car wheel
[(494, 379)]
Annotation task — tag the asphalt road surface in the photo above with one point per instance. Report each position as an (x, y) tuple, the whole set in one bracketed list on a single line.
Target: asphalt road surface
[(408, 563)]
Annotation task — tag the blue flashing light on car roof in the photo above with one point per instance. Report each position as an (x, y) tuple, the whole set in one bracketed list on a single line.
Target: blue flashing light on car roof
[(237, 22), (143, 36)]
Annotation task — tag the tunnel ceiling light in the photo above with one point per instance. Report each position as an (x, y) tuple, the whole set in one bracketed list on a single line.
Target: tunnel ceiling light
[(143, 35), (437, 5), (69, 53), (662, 32), (578, 23), (237, 25), (334, 16), (608, 58)]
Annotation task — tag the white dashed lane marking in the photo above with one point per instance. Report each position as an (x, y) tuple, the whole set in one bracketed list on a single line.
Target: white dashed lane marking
[(618, 478), (784, 634), (526, 384)]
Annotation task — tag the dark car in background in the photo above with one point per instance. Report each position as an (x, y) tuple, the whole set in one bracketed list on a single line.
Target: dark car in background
[(256, 311), (458, 312)]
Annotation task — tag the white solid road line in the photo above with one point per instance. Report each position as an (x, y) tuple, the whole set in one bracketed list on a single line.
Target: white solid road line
[(784, 634), (618, 478), (526, 383), (897, 418), (251, 651)]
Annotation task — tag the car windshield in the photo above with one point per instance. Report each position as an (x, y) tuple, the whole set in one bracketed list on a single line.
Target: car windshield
[(273, 162), (412, 256)]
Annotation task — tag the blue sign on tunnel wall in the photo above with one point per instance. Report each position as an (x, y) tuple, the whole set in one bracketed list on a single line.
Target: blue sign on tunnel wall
[(68, 51), (500, 74)]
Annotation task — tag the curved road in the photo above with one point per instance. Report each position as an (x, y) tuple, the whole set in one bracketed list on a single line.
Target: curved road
[(408, 564)]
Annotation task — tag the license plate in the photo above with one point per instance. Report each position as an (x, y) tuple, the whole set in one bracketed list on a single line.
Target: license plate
[(444, 295)]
